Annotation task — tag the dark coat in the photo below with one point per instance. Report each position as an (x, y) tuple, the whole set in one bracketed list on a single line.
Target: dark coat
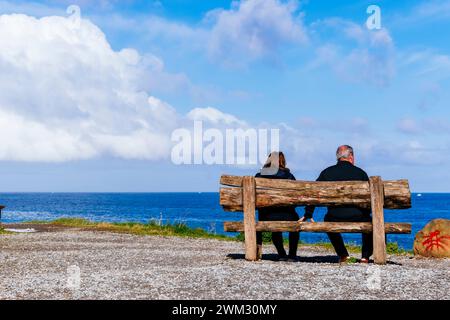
[(343, 171), (278, 213)]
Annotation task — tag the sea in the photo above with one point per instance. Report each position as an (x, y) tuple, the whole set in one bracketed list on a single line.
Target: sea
[(198, 210)]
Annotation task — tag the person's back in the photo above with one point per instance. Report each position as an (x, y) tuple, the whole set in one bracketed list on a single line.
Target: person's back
[(277, 213), (345, 171), (275, 168)]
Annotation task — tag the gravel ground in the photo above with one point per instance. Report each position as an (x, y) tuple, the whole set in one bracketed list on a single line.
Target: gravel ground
[(120, 266)]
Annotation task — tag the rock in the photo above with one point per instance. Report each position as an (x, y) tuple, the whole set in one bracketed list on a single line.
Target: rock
[(433, 240)]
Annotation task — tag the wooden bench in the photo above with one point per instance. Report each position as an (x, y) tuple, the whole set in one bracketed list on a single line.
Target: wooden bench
[(247, 194)]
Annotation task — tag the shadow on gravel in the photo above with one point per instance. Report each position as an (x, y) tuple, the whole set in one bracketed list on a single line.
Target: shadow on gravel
[(315, 259), (274, 257), (319, 259), (393, 263)]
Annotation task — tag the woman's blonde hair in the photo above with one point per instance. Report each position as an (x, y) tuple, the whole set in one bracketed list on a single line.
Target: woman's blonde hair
[(276, 160)]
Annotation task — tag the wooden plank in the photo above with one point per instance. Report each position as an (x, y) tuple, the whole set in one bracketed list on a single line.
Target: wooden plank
[(236, 181), (249, 200), (397, 192), (231, 181), (377, 203), (333, 227), (231, 198)]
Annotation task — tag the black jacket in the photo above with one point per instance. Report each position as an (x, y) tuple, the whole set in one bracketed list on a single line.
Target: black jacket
[(342, 171), (278, 213)]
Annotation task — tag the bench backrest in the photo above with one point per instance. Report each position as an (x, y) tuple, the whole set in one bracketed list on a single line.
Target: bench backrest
[(276, 192)]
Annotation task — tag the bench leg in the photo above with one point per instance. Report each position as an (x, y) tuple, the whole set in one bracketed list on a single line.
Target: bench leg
[(379, 236), (249, 202)]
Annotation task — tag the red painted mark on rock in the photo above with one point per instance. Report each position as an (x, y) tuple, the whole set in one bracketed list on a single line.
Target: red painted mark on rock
[(435, 240)]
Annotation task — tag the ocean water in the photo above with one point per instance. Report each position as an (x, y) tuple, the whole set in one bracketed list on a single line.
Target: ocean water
[(195, 209)]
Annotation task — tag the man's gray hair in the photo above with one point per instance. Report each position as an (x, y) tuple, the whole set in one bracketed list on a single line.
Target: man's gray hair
[(344, 152)]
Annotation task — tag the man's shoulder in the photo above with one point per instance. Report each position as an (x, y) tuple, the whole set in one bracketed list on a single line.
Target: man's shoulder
[(363, 174), (360, 170), (337, 172), (328, 173), (330, 168)]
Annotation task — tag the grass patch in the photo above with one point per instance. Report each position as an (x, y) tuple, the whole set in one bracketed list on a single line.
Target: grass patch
[(156, 228), (152, 228), (352, 260), (393, 248), (267, 237), (2, 231)]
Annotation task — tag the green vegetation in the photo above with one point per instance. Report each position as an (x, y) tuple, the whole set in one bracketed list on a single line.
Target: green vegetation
[(156, 228), (393, 248), (267, 237), (352, 260), (2, 231), (153, 228)]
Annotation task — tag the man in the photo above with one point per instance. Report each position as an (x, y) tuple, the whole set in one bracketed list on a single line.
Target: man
[(345, 170)]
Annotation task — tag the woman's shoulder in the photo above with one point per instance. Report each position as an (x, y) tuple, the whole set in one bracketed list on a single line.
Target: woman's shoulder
[(282, 173), (289, 174), (285, 173)]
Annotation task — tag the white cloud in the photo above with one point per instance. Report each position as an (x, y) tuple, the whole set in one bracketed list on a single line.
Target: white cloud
[(411, 153), (253, 29), (27, 140), (427, 63), (432, 9), (357, 54), (430, 125), (354, 125), (214, 116), (437, 125), (66, 95), (427, 11), (408, 126), (250, 30)]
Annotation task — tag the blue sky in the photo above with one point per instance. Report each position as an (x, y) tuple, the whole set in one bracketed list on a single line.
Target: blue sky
[(71, 99)]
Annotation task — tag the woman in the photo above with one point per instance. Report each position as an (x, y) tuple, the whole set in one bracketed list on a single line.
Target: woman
[(275, 168)]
